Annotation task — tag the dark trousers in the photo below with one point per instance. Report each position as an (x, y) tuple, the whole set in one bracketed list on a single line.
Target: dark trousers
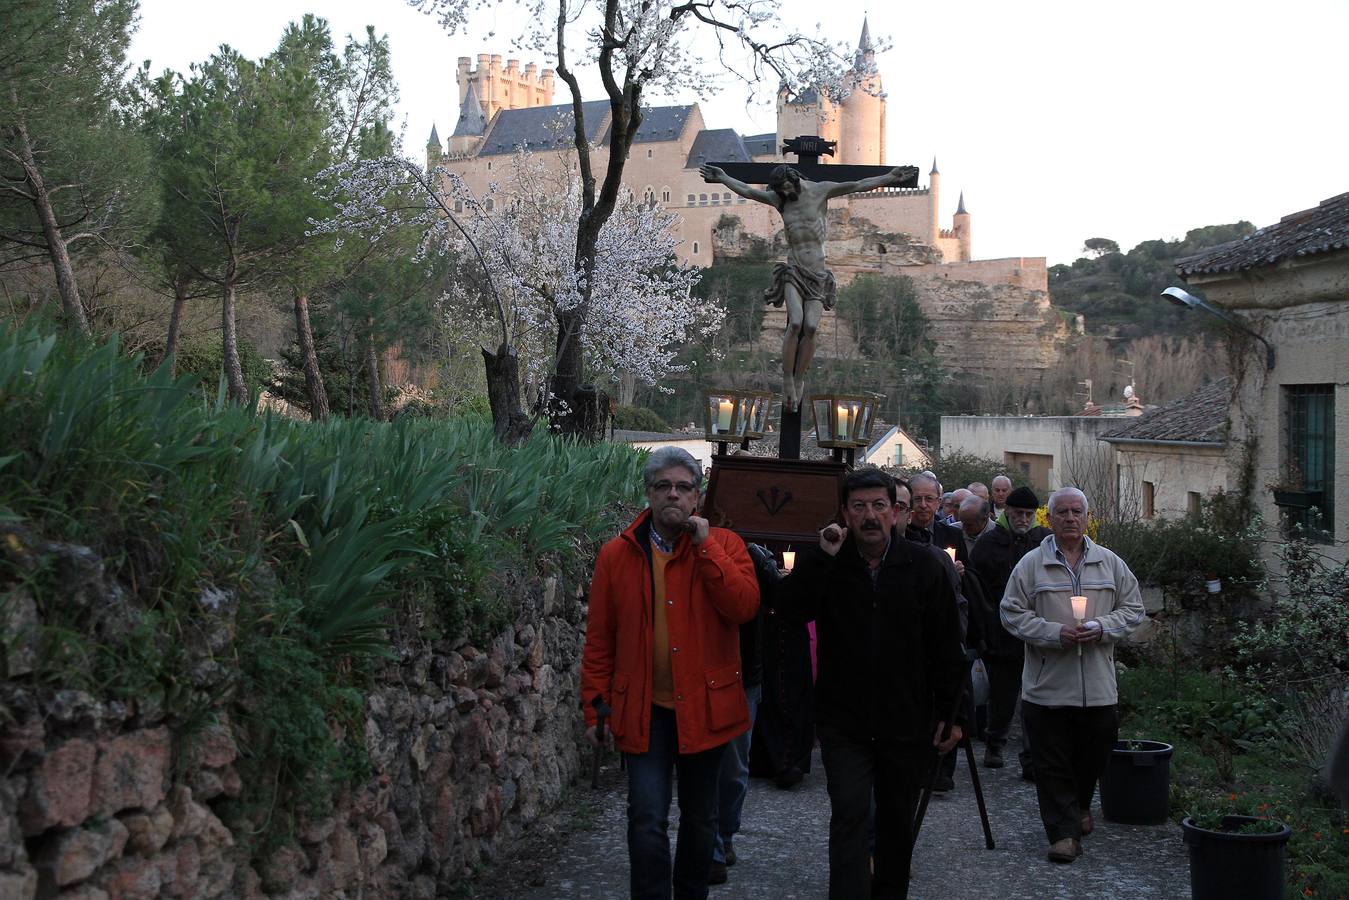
[(650, 789), (1069, 747), (855, 770), (1004, 687)]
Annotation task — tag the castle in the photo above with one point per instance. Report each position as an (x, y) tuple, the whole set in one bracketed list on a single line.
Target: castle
[(504, 107)]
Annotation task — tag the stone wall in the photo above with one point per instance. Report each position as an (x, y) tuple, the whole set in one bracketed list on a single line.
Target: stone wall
[(104, 799)]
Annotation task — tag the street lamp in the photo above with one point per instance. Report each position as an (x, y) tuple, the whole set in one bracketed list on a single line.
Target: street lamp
[(1182, 297)]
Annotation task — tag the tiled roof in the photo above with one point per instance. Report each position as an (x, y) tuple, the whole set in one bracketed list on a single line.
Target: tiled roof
[(761, 144), (472, 121), (1199, 417), (534, 126), (659, 123), (717, 145), (628, 436), (1321, 229)]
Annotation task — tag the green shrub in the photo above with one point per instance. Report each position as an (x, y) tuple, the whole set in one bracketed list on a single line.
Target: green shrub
[(639, 418)]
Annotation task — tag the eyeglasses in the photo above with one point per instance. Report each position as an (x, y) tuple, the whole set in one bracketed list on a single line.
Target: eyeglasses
[(859, 507), (684, 487)]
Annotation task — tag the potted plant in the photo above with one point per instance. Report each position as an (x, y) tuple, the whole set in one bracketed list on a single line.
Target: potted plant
[(1235, 855), (1290, 492), (1136, 783)]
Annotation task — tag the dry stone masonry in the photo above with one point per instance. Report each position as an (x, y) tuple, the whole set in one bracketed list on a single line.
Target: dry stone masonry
[(103, 800)]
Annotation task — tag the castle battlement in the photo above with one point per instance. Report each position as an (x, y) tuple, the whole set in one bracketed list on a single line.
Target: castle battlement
[(895, 192)]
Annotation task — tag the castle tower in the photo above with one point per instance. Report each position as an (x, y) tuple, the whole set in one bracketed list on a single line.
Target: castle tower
[(471, 125), (433, 149), (808, 112), (862, 130), (934, 207), (504, 86), (961, 227)]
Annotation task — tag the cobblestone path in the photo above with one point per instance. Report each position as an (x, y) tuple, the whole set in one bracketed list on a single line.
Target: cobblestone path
[(782, 849)]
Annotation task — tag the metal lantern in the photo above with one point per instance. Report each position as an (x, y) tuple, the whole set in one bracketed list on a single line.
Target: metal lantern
[(868, 418), (754, 413), (723, 415), (838, 419)]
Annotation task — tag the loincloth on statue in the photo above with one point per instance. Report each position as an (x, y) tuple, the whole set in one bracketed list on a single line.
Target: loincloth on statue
[(810, 285)]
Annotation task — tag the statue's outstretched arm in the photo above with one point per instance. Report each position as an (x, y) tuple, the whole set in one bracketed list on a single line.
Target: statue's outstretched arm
[(897, 175), (715, 175)]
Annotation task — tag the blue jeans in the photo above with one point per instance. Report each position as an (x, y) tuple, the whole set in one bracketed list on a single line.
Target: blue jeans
[(733, 783), (650, 788)]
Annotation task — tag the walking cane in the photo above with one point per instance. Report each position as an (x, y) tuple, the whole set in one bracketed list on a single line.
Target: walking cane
[(602, 712), (936, 772)]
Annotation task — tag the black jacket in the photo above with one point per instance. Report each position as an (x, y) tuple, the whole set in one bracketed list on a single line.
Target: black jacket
[(939, 535), (751, 632), (890, 659), (995, 555)]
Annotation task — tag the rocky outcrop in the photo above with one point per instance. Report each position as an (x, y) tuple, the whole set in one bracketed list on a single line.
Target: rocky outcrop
[(984, 316), (468, 744)]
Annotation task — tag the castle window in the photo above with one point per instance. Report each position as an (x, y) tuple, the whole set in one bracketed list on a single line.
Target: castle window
[(648, 153), (664, 196), (489, 165), (702, 199), (459, 206), (692, 199), (695, 248), (490, 204)]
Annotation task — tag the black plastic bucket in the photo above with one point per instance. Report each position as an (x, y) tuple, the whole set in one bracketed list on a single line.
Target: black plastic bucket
[(1225, 865), (1136, 783)]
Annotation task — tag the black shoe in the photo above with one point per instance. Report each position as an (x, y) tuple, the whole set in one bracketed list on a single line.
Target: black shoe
[(944, 783), (729, 853), (789, 777), (993, 757), (1028, 774), (717, 874)]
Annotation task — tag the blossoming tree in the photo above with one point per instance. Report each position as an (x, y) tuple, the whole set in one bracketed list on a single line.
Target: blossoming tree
[(524, 243), (641, 47)]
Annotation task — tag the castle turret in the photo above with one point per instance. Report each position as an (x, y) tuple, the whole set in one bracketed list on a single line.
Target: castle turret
[(470, 126), (808, 112), (961, 227), (505, 86), (862, 129), (934, 203), (433, 148)]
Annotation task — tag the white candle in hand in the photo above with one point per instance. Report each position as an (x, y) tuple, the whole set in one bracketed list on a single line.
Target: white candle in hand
[(951, 552), (1079, 613), (1079, 608)]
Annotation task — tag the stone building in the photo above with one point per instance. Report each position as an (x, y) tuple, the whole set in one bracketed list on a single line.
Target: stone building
[(504, 106), (1171, 459), (1289, 422)]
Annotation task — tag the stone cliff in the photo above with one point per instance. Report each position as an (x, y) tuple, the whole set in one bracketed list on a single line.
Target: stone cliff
[(984, 315)]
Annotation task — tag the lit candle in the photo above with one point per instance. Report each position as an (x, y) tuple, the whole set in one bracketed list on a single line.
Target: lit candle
[(1079, 613), (951, 552), (724, 416), (1079, 608), (788, 559), (841, 428)]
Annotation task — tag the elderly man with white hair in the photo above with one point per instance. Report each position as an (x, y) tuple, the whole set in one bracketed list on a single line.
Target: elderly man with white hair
[(1068, 689)]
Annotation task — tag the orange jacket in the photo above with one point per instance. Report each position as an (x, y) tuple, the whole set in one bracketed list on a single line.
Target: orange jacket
[(710, 589)]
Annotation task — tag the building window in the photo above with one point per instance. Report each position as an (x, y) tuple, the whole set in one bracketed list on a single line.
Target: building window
[(702, 199), (648, 152), (1309, 458), (695, 248), (1149, 499), (459, 206), (489, 165), (490, 204), (664, 196), (1192, 503), (692, 199)]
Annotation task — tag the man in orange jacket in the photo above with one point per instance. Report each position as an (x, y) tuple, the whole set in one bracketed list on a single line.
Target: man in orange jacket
[(663, 651)]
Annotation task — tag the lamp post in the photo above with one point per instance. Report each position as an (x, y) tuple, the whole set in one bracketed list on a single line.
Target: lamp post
[(1182, 297)]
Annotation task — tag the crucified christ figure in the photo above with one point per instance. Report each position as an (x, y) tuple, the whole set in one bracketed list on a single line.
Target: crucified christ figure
[(803, 282)]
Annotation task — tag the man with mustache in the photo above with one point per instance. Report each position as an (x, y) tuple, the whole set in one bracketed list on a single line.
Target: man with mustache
[(891, 668), (662, 651)]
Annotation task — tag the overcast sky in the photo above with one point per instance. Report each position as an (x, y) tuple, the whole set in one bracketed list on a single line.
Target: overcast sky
[(1059, 120)]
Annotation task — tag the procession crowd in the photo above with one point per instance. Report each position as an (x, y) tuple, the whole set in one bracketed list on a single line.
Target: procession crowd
[(865, 644)]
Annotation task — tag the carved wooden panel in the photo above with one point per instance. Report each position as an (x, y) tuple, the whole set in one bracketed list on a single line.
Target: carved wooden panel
[(773, 500)]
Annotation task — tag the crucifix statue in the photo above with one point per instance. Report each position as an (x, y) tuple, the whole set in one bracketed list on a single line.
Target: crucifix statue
[(803, 283)]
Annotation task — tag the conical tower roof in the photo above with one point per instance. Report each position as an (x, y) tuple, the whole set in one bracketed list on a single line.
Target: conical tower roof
[(866, 52), (472, 122), (934, 167), (434, 138), (960, 209)]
